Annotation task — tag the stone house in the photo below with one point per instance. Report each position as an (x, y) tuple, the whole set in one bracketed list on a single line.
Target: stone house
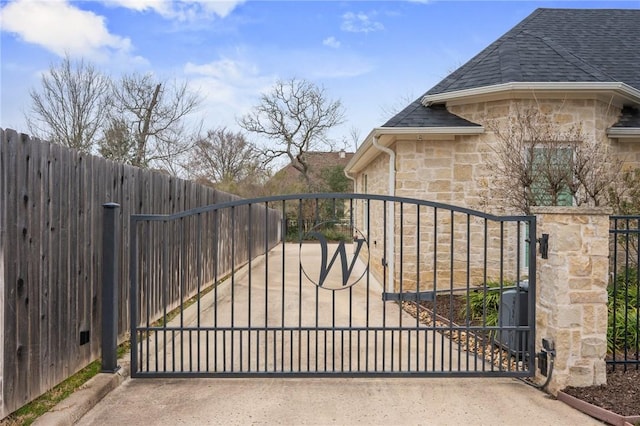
[(577, 67), (290, 179)]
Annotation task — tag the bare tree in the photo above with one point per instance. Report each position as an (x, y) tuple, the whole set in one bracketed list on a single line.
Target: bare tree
[(297, 116), (223, 156), (153, 114), (539, 164), (389, 110), (353, 139), (70, 107)]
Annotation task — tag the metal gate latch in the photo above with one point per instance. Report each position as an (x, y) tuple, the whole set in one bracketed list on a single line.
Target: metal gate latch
[(421, 296)]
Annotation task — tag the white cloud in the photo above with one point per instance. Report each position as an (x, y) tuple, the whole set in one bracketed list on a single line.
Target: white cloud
[(230, 87), (62, 28), (181, 10), (359, 23), (162, 7), (331, 42)]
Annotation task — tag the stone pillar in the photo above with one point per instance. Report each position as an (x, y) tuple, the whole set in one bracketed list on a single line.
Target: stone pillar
[(571, 299)]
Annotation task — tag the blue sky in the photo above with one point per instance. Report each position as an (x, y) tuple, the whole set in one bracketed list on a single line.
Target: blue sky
[(372, 55)]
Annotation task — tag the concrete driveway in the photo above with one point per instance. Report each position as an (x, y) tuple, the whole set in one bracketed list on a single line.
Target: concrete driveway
[(330, 401), (346, 401)]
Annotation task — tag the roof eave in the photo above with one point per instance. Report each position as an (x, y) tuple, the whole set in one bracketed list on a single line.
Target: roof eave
[(623, 90), (627, 133), (366, 151)]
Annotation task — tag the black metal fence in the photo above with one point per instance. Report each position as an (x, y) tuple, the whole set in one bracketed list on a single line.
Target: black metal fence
[(623, 333), (371, 285)]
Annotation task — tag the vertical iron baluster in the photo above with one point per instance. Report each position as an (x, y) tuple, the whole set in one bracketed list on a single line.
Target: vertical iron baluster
[(367, 304), (484, 295), (401, 310), (451, 272), (216, 260), (282, 303), (249, 278), (531, 295), (468, 289), (637, 286), (147, 287), (384, 281), (626, 291), (418, 304), (333, 330), (133, 293), (501, 288), (351, 230), (165, 290), (435, 292), (199, 277), (518, 333), (233, 282), (615, 289), (182, 267)]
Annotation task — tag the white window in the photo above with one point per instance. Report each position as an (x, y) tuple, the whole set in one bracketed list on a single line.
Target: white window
[(552, 172)]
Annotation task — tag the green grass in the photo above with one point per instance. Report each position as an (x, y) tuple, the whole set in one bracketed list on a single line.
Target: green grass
[(27, 414)]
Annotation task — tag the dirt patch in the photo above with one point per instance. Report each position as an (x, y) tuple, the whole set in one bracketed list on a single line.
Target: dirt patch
[(621, 394)]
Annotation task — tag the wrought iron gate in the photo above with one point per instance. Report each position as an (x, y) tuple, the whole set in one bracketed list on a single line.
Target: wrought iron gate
[(332, 284)]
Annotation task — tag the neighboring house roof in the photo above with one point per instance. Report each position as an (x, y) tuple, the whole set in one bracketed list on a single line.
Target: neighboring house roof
[(317, 162), (630, 118), (628, 126), (557, 45)]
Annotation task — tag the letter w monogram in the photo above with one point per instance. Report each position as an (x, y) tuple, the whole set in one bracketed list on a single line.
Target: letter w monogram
[(346, 270)]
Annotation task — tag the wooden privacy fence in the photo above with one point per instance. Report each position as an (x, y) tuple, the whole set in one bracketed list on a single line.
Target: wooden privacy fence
[(51, 214)]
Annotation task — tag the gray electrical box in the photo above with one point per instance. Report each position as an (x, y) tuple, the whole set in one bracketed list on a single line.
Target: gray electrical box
[(514, 311)]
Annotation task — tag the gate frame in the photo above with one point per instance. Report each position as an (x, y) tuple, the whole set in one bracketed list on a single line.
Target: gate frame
[(532, 252)]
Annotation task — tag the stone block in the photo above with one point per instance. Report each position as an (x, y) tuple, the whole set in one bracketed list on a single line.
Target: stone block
[(596, 246), (463, 172), (569, 239), (582, 283), (579, 297), (580, 266), (599, 372), (601, 318), (440, 186), (569, 316), (593, 347), (581, 374)]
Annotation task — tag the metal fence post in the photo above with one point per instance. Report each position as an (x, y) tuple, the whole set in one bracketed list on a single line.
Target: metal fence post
[(110, 244)]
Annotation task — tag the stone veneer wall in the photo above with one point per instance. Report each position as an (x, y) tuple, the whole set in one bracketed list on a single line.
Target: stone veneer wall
[(571, 297), (377, 183), (459, 170)]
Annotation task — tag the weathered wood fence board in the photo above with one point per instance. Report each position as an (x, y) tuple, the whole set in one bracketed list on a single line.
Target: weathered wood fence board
[(51, 212)]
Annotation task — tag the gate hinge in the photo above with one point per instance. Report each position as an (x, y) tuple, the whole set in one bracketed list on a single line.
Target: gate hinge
[(544, 246)]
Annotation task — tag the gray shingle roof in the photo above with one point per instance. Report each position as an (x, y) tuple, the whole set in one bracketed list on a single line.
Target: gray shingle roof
[(550, 45), (558, 45), (417, 115), (630, 118)]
